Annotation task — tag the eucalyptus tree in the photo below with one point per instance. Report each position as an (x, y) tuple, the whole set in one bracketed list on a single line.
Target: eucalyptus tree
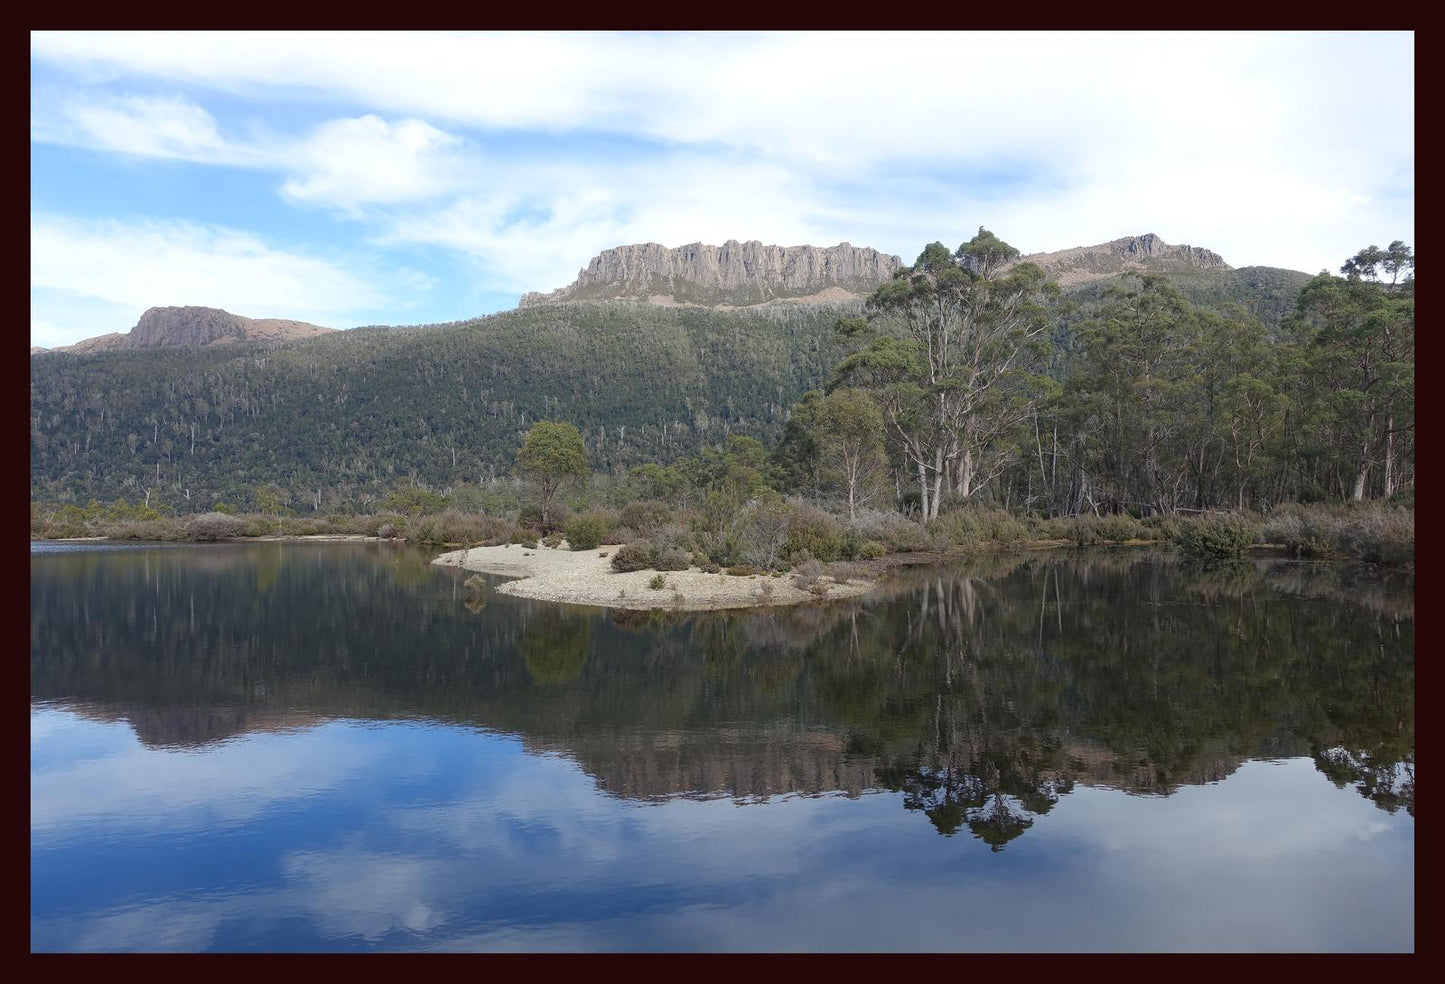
[(1357, 336), (553, 456), (955, 344), (1134, 399)]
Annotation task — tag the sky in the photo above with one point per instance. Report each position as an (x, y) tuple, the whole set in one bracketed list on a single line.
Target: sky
[(378, 178)]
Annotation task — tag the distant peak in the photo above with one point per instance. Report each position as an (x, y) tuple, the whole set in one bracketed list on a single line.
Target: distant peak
[(735, 274)]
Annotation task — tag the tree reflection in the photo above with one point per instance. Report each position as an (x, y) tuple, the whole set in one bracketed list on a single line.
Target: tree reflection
[(555, 649), (980, 693)]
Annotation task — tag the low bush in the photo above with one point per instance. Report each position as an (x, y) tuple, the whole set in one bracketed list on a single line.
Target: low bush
[(1224, 536), (587, 530), (807, 573), (1117, 529), (1371, 533), (647, 517), (635, 556), (530, 515), (671, 559), (815, 532), (214, 526), (742, 570), (657, 583), (455, 526), (871, 550)]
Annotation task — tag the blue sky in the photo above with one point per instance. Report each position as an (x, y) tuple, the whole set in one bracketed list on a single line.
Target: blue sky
[(378, 178)]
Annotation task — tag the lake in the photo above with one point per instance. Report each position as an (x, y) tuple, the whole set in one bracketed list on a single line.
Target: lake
[(337, 746)]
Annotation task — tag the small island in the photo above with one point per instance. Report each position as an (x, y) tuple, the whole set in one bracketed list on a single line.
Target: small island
[(586, 577)]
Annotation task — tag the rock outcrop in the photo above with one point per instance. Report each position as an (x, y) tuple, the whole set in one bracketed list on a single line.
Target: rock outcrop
[(1147, 253), (731, 275), (193, 327)]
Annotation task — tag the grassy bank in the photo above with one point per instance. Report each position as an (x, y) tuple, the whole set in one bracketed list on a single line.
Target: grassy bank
[(769, 533)]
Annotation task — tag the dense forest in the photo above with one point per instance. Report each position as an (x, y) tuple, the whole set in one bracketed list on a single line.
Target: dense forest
[(1145, 394)]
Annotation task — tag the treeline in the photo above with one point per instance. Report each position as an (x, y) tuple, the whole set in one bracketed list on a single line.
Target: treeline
[(964, 381), (1149, 405), (335, 423)]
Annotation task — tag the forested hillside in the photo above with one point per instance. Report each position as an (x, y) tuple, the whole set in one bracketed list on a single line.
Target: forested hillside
[(353, 413), (337, 422)]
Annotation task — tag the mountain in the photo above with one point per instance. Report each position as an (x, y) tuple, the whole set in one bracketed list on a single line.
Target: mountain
[(178, 407), (1267, 293), (191, 327), (355, 412), (1142, 254), (731, 275)]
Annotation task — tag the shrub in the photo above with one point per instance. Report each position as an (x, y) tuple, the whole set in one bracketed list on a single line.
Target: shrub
[(455, 526), (764, 531), (214, 526), (816, 532), (807, 574), (671, 559), (1117, 529), (972, 525), (635, 556), (553, 540), (647, 516), (871, 550), (1216, 536), (1371, 533), (530, 515), (386, 531), (742, 570), (530, 543), (907, 537), (586, 531), (657, 582)]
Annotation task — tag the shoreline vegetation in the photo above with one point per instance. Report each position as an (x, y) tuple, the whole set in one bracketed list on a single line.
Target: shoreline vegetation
[(797, 535), (952, 428)]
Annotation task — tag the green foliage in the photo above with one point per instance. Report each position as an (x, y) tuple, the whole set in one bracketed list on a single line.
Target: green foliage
[(586, 531), (658, 582), (671, 559), (742, 570), (636, 556), (414, 500), (646, 517), (1226, 536), (815, 533), (354, 413), (552, 456)]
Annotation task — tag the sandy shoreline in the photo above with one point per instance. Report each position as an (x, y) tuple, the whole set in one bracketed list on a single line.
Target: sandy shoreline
[(586, 577)]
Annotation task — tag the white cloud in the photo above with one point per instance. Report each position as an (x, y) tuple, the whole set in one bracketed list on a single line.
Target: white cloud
[(168, 127), (355, 162), (529, 153), (131, 266)]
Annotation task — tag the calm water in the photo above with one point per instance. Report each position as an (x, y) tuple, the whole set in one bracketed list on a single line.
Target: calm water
[(331, 746)]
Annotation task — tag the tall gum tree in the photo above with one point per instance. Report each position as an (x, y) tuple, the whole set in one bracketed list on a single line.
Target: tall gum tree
[(955, 347)]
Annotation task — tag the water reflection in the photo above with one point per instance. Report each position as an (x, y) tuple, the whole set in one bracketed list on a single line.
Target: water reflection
[(351, 757), (982, 693)]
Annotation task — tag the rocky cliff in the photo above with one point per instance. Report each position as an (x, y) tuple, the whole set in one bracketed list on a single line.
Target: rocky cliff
[(731, 275), (193, 327), (1147, 253)]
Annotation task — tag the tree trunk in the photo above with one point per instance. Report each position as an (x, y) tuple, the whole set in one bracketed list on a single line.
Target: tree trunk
[(923, 490), (1390, 456), (937, 480)]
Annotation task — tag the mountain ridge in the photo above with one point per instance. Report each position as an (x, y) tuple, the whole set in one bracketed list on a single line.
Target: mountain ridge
[(735, 274), (191, 327)]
